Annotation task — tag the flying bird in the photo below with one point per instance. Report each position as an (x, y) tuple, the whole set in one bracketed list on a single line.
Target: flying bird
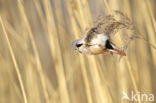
[(95, 43), (103, 36)]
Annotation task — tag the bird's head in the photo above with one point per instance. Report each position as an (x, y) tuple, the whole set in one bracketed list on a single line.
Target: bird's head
[(80, 45)]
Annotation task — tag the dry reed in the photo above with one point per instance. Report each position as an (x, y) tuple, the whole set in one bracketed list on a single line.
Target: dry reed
[(36, 39)]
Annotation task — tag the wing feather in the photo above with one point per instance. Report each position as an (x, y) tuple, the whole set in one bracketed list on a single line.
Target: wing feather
[(118, 27)]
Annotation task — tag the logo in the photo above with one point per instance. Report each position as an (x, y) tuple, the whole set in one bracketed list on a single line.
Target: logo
[(143, 97)]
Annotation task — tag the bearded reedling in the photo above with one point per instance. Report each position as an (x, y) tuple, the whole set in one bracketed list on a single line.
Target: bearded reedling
[(102, 37), (96, 44)]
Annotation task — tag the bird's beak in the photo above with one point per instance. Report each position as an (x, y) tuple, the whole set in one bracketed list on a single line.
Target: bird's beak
[(74, 45), (76, 48)]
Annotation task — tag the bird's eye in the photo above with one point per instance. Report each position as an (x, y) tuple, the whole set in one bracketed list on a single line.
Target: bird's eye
[(78, 45)]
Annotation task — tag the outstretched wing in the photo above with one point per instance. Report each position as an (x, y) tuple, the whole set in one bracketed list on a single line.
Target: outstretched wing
[(118, 27)]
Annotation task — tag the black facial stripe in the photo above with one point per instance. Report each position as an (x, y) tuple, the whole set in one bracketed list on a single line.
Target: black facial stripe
[(108, 45), (78, 45)]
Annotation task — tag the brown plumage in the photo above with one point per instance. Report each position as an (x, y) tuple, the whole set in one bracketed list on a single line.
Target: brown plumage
[(105, 29)]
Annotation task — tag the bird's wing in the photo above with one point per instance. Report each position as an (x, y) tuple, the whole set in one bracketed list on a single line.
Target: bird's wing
[(91, 33), (118, 27)]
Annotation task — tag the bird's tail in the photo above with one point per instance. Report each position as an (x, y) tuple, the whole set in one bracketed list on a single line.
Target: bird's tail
[(117, 50), (120, 52)]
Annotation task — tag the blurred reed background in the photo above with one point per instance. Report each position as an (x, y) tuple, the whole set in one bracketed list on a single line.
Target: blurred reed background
[(38, 65)]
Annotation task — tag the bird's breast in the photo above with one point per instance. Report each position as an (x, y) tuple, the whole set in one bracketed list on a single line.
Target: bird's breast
[(97, 49)]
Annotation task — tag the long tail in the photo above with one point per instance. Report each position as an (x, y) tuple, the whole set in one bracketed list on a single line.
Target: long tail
[(120, 52), (115, 49)]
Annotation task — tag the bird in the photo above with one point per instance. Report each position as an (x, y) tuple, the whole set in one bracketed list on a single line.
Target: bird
[(103, 36), (96, 44)]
